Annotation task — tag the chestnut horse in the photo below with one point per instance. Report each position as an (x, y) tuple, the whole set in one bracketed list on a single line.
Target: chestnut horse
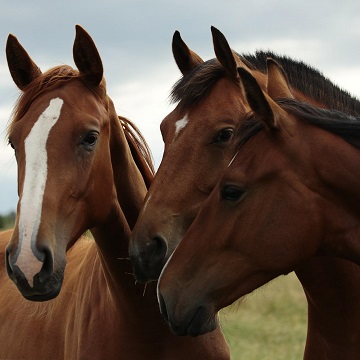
[(291, 193), (200, 143), (79, 167)]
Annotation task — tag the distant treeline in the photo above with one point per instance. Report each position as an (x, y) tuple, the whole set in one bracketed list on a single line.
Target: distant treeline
[(7, 221)]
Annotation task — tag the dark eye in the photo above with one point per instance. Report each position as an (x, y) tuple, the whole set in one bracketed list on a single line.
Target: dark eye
[(11, 144), (232, 193), (90, 139), (224, 136)]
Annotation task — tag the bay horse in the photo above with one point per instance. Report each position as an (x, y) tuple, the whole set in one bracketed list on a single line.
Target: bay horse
[(290, 193), (80, 167), (200, 143)]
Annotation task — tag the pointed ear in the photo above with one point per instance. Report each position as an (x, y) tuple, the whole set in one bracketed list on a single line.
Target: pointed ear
[(225, 55), (185, 58), (262, 105), (22, 69), (86, 57), (277, 82)]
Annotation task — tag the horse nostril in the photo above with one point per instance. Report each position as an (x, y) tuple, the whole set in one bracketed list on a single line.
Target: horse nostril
[(158, 250), (148, 258), (47, 268), (9, 268)]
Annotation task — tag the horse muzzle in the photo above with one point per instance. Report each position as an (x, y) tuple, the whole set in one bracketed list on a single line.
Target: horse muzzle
[(192, 320), (44, 285)]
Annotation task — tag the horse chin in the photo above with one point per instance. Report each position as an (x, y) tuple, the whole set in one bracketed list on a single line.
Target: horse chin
[(202, 321), (52, 294), (40, 291)]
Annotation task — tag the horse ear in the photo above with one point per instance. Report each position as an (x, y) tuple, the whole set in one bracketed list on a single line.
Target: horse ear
[(225, 55), (22, 69), (277, 82), (260, 103), (185, 58), (86, 57)]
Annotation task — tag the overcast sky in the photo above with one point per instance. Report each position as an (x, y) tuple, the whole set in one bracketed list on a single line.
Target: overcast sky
[(134, 41)]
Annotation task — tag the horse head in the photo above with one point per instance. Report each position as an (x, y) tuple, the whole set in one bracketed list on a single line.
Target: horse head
[(199, 143), (60, 134)]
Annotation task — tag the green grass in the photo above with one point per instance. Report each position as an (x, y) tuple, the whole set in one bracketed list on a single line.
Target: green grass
[(269, 324)]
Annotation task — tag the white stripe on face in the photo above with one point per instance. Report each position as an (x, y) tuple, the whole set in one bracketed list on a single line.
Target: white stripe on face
[(180, 124), (34, 187)]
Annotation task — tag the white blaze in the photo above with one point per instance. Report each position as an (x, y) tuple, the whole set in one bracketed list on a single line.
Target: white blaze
[(34, 187), (180, 124)]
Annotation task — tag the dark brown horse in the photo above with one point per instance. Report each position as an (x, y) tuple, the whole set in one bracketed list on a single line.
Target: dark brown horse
[(291, 193), (200, 143), (79, 167)]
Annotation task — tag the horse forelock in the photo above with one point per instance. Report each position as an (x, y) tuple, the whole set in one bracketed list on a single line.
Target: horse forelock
[(49, 80), (195, 85)]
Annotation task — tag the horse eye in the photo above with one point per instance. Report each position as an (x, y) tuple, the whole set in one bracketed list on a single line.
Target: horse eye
[(90, 139), (232, 193), (224, 136), (11, 144)]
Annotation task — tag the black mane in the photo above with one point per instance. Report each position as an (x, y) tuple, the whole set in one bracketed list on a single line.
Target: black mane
[(195, 85), (308, 80), (334, 121)]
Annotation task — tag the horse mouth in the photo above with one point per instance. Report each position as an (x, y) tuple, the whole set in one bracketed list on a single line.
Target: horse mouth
[(40, 291), (199, 322), (53, 293)]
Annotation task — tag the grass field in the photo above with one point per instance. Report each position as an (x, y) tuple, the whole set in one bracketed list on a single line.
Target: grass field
[(268, 324)]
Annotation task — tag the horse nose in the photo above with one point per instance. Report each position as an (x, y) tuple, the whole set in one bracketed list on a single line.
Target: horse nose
[(48, 265), (22, 275), (148, 258)]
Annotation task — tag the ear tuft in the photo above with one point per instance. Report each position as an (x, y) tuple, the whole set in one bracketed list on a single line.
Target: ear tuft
[(277, 81), (257, 99), (22, 68), (226, 57), (86, 57), (185, 58)]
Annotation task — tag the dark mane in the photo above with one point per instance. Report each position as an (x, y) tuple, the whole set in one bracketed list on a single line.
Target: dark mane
[(308, 80), (334, 121), (196, 85), (140, 150)]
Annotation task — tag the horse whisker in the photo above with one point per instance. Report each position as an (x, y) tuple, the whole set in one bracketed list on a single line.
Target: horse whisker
[(144, 289), (123, 258)]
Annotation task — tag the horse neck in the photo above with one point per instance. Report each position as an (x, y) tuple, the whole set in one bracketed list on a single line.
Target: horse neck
[(113, 235), (332, 292), (335, 178), (129, 181), (112, 240)]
